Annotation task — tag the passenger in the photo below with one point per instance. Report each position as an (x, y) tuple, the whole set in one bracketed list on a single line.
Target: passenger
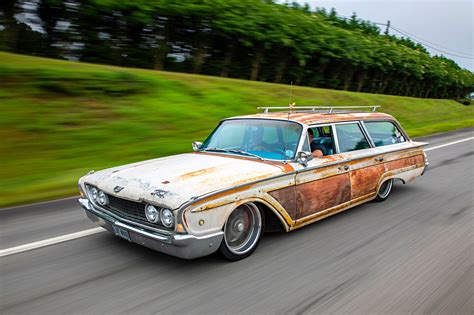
[(315, 149)]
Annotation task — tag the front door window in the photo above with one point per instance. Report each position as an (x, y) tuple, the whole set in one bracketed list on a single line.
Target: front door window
[(323, 140)]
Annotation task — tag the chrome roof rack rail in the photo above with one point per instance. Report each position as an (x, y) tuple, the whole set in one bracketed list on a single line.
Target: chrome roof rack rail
[(329, 109)]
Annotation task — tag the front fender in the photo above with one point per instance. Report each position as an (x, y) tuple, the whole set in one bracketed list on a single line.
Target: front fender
[(206, 219)]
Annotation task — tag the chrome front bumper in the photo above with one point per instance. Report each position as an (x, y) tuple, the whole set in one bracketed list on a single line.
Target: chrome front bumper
[(180, 245)]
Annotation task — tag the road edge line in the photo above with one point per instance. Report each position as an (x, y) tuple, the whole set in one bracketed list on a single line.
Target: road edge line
[(449, 143), (49, 241)]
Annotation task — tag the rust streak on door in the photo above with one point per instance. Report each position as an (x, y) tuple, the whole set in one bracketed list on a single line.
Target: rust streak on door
[(322, 194), (286, 197), (364, 180), (401, 163)]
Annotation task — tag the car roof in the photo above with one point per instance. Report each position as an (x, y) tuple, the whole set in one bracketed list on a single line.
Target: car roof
[(314, 117)]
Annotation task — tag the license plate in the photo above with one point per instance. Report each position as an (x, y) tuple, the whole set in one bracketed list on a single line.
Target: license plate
[(122, 233)]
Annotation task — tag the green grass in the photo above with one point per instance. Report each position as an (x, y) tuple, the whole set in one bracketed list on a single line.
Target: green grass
[(61, 119)]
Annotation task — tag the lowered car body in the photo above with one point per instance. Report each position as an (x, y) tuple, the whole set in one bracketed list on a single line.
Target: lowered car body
[(253, 174)]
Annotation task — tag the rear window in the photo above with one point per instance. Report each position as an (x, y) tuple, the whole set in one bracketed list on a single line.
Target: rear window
[(384, 133)]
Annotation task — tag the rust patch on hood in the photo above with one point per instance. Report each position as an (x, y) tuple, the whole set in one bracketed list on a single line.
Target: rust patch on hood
[(285, 167), (198, 172)]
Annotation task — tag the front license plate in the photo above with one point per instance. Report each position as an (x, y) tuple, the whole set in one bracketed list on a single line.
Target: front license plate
[(122, 233)]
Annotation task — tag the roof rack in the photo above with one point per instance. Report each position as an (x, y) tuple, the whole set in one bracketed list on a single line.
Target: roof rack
[(329, 109)]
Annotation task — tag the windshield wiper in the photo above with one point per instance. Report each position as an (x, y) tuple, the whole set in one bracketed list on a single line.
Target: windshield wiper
[(246, 153), (233, 151), (215, 149)]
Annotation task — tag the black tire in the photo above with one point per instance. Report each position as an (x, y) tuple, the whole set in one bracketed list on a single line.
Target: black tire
[(243, 231), (384, 190)]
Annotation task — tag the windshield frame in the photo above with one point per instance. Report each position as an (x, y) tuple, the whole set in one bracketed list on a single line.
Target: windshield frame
[(298, 146)]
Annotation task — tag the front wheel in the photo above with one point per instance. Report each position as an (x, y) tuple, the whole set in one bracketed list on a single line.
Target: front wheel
[(384, 190), (242, 232)]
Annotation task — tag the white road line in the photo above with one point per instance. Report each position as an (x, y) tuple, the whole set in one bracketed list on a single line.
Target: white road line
[(39, 203), (49, 241), (450, 143), (68, 237)]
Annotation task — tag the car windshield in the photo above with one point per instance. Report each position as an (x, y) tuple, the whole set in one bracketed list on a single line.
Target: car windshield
[(259, 138)]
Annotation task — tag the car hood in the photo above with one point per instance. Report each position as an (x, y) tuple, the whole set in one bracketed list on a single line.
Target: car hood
[(173, 180)]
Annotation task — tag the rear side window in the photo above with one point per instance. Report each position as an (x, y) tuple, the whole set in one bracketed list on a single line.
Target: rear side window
[(384, 133), (351, 138)]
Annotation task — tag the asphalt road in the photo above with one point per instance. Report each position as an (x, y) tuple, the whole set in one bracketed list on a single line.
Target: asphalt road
[(411, 254)]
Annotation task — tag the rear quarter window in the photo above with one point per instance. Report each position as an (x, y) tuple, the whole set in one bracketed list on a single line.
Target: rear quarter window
[(384, 133)]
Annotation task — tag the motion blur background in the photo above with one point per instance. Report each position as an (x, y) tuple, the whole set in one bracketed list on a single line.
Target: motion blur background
[(206, 60)]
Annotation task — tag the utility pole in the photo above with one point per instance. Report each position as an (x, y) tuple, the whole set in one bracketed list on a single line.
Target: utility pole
[(388, 27)]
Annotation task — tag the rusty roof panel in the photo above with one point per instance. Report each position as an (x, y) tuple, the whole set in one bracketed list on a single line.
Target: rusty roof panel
[(314, 117)]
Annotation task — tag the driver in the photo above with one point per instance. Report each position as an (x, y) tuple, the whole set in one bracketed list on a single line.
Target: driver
[(315, 149), (257, 143)]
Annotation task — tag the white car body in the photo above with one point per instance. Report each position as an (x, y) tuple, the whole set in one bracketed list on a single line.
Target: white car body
[(203, 189)]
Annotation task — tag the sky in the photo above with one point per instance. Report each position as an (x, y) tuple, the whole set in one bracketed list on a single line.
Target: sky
[(444, 24)]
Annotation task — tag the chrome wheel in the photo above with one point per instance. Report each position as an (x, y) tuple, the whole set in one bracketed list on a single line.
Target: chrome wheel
[(242, 231), (384, 190)]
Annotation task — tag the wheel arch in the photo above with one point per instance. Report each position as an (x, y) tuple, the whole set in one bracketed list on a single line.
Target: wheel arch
[(273, 220), (385, 177)]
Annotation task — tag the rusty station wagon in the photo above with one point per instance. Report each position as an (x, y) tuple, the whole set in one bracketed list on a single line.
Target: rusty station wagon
[(254, 174)]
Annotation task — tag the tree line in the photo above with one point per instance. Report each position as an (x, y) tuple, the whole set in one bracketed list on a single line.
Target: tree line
[(248, 39)]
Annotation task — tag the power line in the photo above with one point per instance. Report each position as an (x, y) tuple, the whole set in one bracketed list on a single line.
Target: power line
[(432, 47), (421, 39), (456, 51), (422, 42)]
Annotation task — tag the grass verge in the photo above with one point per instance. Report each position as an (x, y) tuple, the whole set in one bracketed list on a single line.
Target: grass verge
[(61, 119)]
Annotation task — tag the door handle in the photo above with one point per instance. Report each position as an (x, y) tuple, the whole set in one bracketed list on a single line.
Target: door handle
[(344, 168), (379, 159)]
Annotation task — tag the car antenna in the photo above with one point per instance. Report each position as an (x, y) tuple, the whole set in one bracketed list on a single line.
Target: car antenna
[(290, 98), (291, 105)]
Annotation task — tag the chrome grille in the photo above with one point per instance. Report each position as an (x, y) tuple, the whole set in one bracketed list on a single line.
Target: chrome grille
[(127, 209)]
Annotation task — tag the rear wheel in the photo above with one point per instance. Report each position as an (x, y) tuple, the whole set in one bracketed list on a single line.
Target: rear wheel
[(384, 190), (242, 232)]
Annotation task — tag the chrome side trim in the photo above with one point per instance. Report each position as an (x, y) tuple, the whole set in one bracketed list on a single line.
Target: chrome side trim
[(204, 196)]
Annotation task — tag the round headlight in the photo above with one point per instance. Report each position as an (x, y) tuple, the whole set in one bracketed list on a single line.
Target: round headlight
[(102, 198), (94, 193), (167, 217), (152, 214)]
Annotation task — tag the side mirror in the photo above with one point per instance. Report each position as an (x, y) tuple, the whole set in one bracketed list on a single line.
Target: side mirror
[(304, 157), (196, 145)]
